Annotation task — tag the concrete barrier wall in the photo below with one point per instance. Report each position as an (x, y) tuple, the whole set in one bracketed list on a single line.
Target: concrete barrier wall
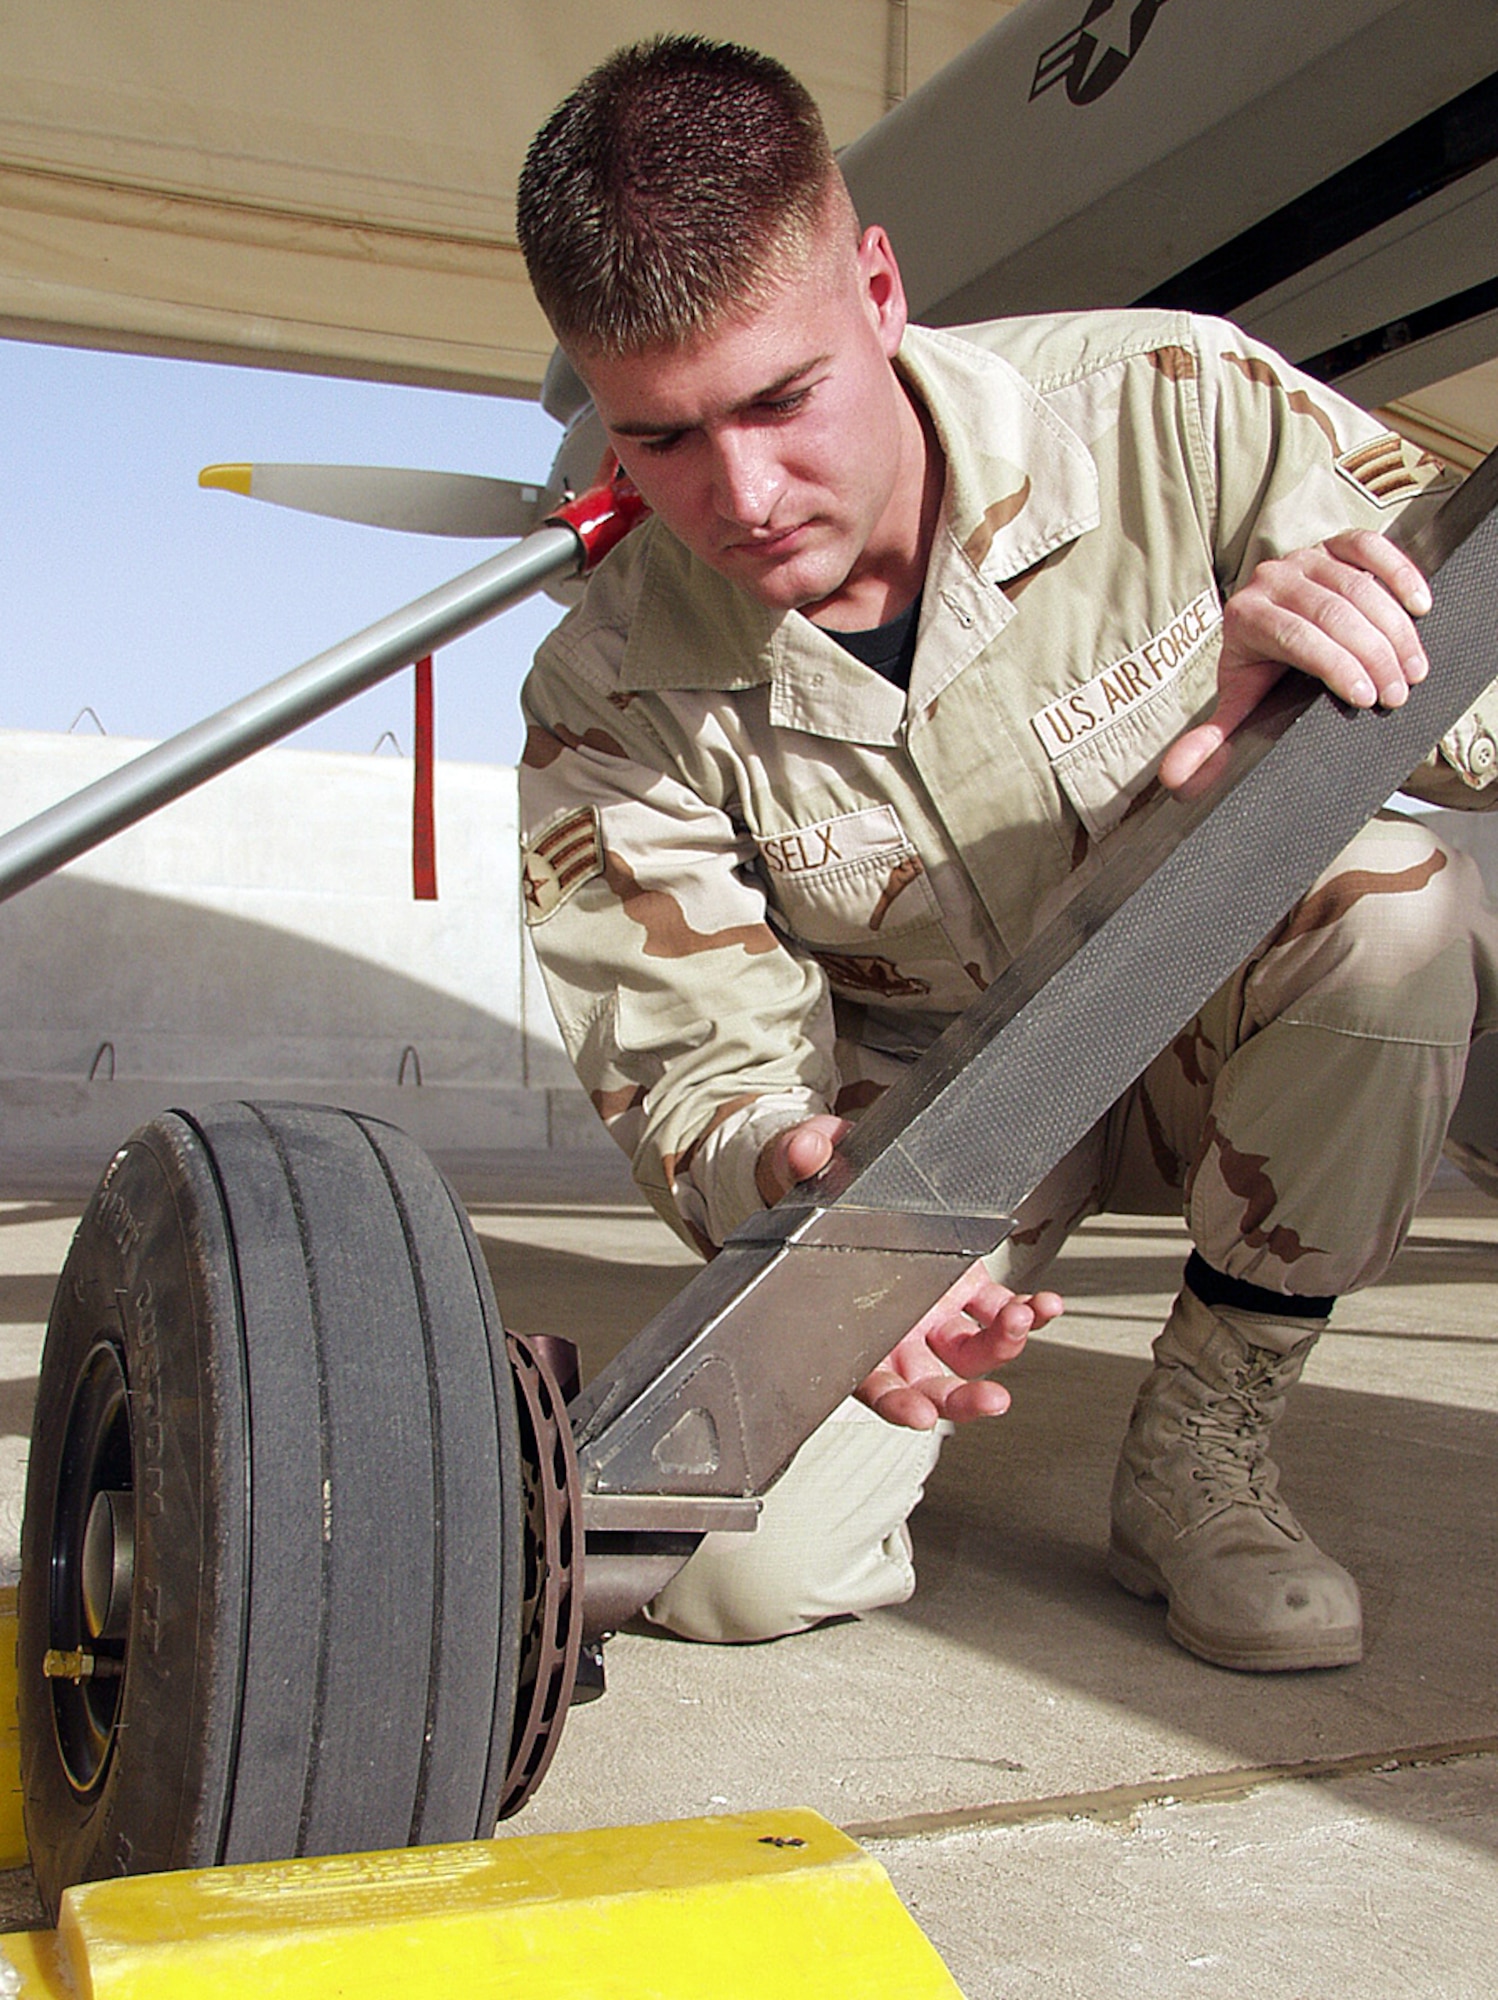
[(259, 937)]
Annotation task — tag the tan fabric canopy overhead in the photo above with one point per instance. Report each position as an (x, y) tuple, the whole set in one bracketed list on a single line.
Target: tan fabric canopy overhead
[(331, 187)]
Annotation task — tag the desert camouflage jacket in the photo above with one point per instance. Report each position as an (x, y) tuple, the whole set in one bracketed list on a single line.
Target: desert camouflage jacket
[(759, 877)]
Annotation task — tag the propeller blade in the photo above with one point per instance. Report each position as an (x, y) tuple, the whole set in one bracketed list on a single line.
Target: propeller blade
[(421, 503)]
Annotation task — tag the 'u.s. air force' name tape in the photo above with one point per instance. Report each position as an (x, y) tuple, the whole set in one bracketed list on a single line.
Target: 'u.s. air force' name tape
[(1129, 681)]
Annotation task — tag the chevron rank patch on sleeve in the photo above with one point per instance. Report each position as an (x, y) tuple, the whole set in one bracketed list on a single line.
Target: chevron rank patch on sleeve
[(558, 862), (1389, 469)]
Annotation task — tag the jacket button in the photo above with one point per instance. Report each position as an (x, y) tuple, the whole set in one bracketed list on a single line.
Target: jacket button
[(1482, 754)]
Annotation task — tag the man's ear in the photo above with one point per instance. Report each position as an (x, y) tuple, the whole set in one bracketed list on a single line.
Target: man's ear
[(882, 287)]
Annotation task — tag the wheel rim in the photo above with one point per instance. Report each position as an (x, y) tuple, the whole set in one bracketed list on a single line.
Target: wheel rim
[(92, 1570)]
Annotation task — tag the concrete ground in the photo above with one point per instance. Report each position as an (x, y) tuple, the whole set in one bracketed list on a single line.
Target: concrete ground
[(1069, 1804)]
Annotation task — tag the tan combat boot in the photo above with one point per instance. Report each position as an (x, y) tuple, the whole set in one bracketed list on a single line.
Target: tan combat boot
[(1197, 1514)]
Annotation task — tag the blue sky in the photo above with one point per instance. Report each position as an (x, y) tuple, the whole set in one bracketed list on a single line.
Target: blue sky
[(127, 587)]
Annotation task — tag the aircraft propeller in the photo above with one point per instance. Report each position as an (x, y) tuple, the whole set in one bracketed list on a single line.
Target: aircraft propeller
[(463, 504), (383, 496)]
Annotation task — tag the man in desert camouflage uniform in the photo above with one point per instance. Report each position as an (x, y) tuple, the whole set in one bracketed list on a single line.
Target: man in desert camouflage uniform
[(761, 875)]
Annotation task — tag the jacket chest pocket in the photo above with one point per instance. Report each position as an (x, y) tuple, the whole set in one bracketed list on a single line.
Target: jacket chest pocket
[(1103, 776), (853, 894), (851, 881), (1105, 740)]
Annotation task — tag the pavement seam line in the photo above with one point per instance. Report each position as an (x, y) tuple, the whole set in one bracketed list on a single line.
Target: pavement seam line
[(1120, 1802)]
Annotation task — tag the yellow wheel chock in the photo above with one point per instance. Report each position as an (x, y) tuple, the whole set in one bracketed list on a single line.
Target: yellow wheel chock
[(12, 1829), (751, 1906)]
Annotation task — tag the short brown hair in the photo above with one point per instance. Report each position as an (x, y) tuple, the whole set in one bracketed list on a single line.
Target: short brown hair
[(655, 195)]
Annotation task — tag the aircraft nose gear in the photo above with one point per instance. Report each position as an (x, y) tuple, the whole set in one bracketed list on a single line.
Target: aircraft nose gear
[(300, 1568)]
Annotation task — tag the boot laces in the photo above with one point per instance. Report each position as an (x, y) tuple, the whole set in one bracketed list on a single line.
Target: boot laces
[(1230, 1432)]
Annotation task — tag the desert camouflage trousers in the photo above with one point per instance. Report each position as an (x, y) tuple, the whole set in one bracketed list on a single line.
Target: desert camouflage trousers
[(1294, 1123)]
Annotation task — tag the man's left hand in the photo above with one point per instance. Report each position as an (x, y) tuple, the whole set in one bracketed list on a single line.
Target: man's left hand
[(1342, 612), (976, 1325)]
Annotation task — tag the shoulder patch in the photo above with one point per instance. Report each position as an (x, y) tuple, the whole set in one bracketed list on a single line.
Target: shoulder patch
[(558, 861), (1389, 470)]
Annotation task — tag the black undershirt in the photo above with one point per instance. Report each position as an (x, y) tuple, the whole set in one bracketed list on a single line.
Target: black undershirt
[(888, 649)]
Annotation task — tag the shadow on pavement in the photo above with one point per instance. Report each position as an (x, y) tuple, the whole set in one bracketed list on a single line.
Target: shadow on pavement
[(1011, 1537)]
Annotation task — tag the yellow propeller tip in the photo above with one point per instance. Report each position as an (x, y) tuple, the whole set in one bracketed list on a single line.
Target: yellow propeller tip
[(228, 478)]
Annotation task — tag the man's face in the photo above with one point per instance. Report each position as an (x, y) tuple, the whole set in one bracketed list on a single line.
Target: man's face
[(777, 447)]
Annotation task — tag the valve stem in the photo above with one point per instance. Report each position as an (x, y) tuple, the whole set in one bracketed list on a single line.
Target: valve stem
[(79, 1666)]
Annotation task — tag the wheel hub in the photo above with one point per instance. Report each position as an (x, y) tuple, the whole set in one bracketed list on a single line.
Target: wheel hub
[(93, 1566), (107, 1572)]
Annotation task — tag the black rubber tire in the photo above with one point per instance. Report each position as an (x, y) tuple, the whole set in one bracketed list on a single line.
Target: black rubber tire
[(275, 1331)]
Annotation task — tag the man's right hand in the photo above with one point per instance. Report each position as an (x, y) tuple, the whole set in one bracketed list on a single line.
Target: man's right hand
[(796, 1154)]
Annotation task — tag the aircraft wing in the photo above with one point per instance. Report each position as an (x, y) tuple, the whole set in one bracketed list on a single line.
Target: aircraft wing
[(1326, 176)]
